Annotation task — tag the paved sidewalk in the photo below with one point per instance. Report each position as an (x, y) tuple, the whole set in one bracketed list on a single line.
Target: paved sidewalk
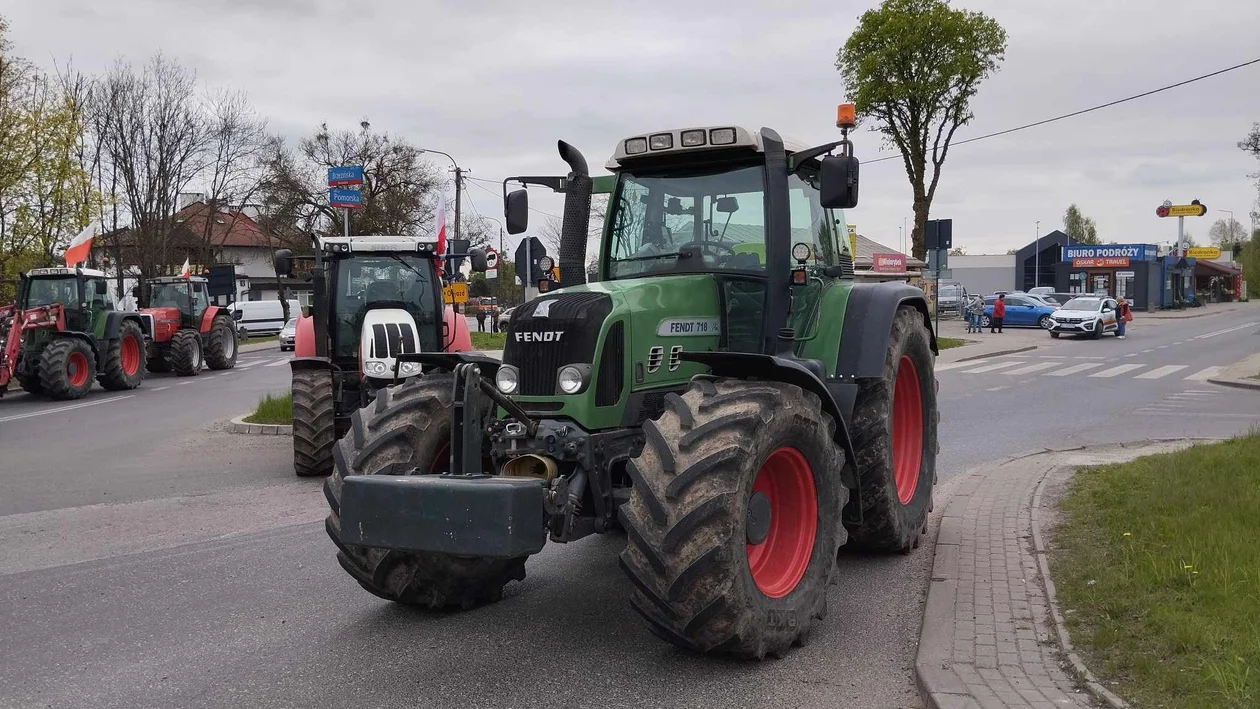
[(988, 637), (1207, 309), (985, 344)]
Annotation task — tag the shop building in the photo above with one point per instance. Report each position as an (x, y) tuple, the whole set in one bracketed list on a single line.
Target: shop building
[(1132, 271)]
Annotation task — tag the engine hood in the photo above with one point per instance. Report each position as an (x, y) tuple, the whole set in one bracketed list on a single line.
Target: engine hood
[(386, 333), (1061, 313)]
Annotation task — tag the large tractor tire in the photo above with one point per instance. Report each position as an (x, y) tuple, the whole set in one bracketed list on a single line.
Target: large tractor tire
[(221, 343), (410, 424), (314, 421), (186, 358), (123, 367), (894, 440), (734, 519), (67, 369)]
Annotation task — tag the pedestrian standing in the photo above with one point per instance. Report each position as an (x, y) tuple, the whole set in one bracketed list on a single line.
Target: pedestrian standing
[(481, 318), (999, 312), (1123, 315), (975, 314)]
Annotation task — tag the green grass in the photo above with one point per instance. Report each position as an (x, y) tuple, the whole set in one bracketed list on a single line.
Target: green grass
[(1157, 564), (273, 408), (945, 343), (258, 338), (488, 340)]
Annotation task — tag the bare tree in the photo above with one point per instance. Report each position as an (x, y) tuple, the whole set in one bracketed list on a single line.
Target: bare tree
[(233, 164)]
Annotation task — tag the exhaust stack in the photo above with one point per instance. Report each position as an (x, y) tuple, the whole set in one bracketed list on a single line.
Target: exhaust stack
[(577, 217)]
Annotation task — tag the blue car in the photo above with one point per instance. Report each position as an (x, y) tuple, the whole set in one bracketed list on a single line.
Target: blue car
[(1020, 312)]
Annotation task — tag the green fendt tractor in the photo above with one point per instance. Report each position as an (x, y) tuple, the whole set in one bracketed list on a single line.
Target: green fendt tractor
[(725, 393)]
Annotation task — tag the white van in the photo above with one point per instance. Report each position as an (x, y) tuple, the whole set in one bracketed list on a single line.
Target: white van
[(261, 317)]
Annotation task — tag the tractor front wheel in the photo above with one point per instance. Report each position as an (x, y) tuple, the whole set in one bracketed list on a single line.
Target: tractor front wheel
[(123, 367), (734, 519), (221, 343), (314, 420), (67, 368), (186, 353), (894, 439), (410, 425)]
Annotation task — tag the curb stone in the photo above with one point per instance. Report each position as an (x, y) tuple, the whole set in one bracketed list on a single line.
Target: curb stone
[(999, 353), (238, 425), (1237, 383)]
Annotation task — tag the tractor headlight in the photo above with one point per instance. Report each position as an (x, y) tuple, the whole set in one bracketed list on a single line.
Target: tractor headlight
[(572, 378), (375, 368), (407, 369), (507, 379)]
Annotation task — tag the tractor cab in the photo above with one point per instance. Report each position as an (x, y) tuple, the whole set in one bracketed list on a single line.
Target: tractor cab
[(188, 332), (182, 301), (82, 295)]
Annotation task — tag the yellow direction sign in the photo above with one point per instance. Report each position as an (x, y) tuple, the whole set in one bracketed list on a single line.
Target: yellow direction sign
[(852, 229), (455, 293), (1194, 209), (1206, 252)]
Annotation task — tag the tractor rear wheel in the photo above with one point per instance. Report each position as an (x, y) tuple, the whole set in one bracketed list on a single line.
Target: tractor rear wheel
[(67, 369), (410, 424), (123, 367), (314, 419), (221, 343), (894, 439), (186, 353), (734, 519)]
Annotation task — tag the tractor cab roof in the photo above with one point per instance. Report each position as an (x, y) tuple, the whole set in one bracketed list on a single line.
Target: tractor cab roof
[(379, 244), (177, 279), (63, 271), (681, 141)]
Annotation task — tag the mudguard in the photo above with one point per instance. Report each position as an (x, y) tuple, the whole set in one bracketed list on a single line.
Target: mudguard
[(207, 318), (303, 363), (114, 321), (455, 334), (868, 323), (304, 338)]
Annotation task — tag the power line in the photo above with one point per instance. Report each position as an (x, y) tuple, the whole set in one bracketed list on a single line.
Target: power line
[(1088, 110)]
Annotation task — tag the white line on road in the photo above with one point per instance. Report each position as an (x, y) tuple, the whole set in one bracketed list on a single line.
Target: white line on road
[(250, 364), (1179, 343), (1091, 357), (60, 409), (278, 363), (997, 388), (992, 367), (1225, 331), (1204, 374), (1132, 354), (159, 389), (1037, 367), (1074, 369), (1200, 391), (1160, 372), (1121, 369), (1162, 347), (959, 365), (183, 384), (1197, 414), (1053, 356), (1147, 351)]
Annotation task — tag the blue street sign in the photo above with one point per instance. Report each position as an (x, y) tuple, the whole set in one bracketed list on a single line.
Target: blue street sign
[(348, 175), (349, 199)]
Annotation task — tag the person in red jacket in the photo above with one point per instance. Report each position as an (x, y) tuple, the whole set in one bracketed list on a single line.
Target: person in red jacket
[(999, 312)]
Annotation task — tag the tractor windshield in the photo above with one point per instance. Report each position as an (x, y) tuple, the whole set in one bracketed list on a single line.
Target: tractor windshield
[(708, 219), (397, 278), (170, 295), (46, 291)]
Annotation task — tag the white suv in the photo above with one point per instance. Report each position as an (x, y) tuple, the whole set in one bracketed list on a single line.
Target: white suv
[(1090, 315)]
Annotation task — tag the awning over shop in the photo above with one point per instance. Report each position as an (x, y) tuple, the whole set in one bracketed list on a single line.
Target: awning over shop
[(1215, 268)]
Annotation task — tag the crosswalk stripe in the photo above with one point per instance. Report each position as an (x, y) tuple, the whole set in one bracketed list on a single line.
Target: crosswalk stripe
[(1121, 369), (247, 365), (278, 363), (991, 367), (1204, 374), (1033, 368), (1161, 372), (959, 365), (1074, 369)]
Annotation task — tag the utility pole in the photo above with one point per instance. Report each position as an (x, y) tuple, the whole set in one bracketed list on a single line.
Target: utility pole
[(459, 187), (1037, 257)]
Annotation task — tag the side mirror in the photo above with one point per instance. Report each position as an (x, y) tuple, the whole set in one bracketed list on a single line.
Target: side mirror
[(477, 257), (839, 182), (516, 211), (283, 261)]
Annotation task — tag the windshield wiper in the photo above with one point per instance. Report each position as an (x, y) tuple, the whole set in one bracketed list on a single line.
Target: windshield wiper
[(649, 257), (408, 266)]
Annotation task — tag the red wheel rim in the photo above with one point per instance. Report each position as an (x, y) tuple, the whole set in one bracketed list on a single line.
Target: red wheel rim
[(907, 430), (77, 369), (129, 354), (779, 562)]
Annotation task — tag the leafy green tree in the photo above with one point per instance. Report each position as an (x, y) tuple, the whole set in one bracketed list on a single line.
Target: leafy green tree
[(912, 68), (957, 251), (1079, 227)]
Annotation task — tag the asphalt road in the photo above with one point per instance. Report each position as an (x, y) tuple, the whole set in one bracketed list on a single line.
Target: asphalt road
[(152, 559)]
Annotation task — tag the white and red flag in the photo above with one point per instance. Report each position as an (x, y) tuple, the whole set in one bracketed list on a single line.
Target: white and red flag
[(441, 233), (81, 245), (185, 271)]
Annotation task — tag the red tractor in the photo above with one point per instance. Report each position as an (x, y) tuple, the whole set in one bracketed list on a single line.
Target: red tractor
[(374, 297), (187, 329)]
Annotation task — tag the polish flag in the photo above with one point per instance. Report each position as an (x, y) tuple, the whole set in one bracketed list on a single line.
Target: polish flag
[(81, 245), (185, 272), (441, 232)]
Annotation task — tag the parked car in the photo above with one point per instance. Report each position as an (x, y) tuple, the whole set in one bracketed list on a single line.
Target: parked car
[(1060, 298), (504, 316), (260, 317), (288, 335), (1021, 311), (1043, 299), (951, 297), (1085, 315), (1041, 290)]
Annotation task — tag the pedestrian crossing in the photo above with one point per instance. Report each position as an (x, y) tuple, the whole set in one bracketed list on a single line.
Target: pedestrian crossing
[(1094, 369)]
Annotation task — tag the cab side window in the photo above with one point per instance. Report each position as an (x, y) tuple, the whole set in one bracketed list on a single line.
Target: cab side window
[(201, 298)]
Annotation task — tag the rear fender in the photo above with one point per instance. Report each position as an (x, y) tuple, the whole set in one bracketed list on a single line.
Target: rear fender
[(868, 323), (304, 339), (299, 364), (114, 321), (455, 335), (207, 318)]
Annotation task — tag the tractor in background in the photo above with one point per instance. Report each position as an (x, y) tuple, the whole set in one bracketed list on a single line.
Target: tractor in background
[(373, 299), (726, 394), (63, 335), (187, 330)]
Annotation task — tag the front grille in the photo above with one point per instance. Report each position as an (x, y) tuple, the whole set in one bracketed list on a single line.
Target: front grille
[(846, 265), (548, 333), (392, 339), (612, 371)]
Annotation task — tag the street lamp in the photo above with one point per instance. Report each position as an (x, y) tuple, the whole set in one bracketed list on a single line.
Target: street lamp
[(459, 181)]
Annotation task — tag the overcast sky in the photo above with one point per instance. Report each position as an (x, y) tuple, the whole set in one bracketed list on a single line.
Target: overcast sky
[(496, 83)]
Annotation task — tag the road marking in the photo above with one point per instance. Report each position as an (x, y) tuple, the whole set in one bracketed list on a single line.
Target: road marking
[(1147, 351), (183, 384), (1197, 414), (959, 365), (1179, 343), (1053, 356), (1226, 331), (1091, 357), (1200, 391), (159, 389), (997, 388), (60, 409), (1204, 374), (1132, 354), (992, 367), (1037, 367), (1162, 347), (1074, 369), (278, 363), (250, 364), (1121, 369), (1160, 372)]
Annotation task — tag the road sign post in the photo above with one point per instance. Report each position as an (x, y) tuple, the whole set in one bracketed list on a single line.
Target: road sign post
[(492, 264), (1181, 211), (339, 179)]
